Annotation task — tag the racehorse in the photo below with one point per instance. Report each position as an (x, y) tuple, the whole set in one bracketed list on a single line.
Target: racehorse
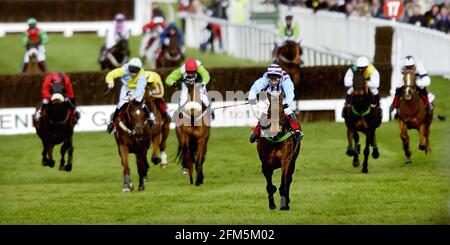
[(55, 126), (116, 56), (133, 136), (192, 129), (33, 64), (278, 150), (361, 117), (289, 58), (412, 114), (160, 133), (171, 55)]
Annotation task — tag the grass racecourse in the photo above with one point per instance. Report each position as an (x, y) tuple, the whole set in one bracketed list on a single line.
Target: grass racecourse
[(326, 189)]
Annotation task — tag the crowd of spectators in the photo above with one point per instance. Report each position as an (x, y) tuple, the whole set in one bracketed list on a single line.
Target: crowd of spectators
[(424, 13)]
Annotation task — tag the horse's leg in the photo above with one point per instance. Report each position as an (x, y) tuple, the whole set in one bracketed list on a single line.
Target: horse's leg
[(162, 145), (287, 170), (405, 139), (50, 162), (63, 152), (369, 138), (44, 154), (270, 188), (127, 185), (350, 150), (422, 139), (201, 152), (155, 142), (70, 149), (375, 153), (427, 139), (141, 160), (357, 150)]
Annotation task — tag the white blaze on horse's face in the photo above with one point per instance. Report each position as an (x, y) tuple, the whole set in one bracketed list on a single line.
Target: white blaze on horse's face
[(138, 112), (408, 89)]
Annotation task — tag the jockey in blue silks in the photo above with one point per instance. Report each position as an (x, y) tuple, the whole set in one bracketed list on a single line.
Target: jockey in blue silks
[(171, 30), (276, 79)]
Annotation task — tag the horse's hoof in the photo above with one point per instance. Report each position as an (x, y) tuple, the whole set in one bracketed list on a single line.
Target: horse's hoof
[(375, 154), (44, 163), (422, 147), (356, 163), (350, 152), (51, 164), (198, 182), (184, 170), (156, 160), (61, 167), (141, 188), (126, 190), (145, 178), (272, 206), (408, 160), (68, 167), (428, 150), (284, 208), (365, 171)]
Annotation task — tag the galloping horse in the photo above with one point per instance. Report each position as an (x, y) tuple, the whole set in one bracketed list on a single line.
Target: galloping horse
[(193, 130), (412, 114), (160, 133), (171, 55), (54, 127), (279, 151), (289, 59), (117, 56), (133, 136), (33, 66), (362, 117)]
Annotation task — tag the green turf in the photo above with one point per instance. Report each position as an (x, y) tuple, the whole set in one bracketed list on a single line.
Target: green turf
[(80, 53), (326, 189)]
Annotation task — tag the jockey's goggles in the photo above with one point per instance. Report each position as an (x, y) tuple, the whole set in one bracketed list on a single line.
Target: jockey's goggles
[(273, 77), (412, 67), (133, 69), (361, 68)]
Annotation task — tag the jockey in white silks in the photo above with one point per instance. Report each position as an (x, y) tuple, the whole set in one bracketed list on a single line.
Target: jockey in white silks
[(275, 79), (117, 31), (150, 43)]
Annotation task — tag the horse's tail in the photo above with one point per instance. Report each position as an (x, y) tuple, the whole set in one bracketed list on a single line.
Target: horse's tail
[(192, 150)]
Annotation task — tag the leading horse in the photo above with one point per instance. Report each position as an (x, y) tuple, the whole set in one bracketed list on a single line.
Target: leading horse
[(133, 136), (171, 55), (278, 150), (412, 115), (116, 56), (289, 58), (55, 126), (193, 130), (361, 117)]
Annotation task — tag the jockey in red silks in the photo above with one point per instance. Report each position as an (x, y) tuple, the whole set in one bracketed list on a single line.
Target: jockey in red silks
[(57, 82), (35, 38), (150, 43), (276, 79)]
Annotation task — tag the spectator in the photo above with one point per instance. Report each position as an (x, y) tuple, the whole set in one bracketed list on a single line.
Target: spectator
[(442, 21), (431, 15), (417, 18), (157, 11), (214, 39), (376, 9), (219, 8)]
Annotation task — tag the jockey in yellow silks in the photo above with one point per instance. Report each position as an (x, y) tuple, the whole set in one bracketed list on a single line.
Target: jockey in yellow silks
[(157, 91)]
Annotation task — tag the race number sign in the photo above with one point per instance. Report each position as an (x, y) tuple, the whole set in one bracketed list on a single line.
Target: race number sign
[(393, 9)]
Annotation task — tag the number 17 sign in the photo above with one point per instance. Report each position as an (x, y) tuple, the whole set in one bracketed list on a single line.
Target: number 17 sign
[(393, 9)]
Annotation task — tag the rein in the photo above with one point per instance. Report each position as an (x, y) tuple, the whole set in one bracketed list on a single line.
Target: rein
[(365, 113), (285, 137)]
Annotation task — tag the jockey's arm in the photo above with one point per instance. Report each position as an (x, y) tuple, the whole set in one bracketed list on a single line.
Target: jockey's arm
[(43, 37), (374, 81), (156, 85), (173, 77), (422, 77), (118, 72), (259, 85), (204, 74), (68, 86), (110, 39), (25, 39), (46, 87), (348, 78), (140, 88), (288, 87)]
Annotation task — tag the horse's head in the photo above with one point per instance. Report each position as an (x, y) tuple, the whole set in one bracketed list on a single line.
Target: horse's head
[(135, 118), (361, 97), (290, 50), (57, 111), (173, 48), (409, 83)]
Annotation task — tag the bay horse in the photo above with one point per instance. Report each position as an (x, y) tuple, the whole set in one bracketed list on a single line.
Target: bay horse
[(117, 56), (160, 133), (193, 130), (55, 126), (361, 117), (278, 150), (413, 115), (170, 55), (133, 136), (289, 58)]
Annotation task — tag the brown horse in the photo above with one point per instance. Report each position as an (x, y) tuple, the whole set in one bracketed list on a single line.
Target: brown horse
[(193, 130), (361, 117), (289, 58), (117, 56), (160, 133), (33, 64), (55, 126), (412, 114), (171, 55), (133, 136), (278, 152)]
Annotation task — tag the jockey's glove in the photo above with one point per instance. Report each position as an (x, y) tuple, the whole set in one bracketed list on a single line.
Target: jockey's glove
[(45, 101), (285, 106), (110, 85)]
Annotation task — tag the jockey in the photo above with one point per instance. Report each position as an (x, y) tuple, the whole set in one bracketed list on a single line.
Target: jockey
[(190, 72), (151, 42), (133, 85), (118, 30), (422, 82), (215, 35), (34, 37), (157, 92), (372, 77), (57, 82), (172, 30), (272, 79), (288, 31)]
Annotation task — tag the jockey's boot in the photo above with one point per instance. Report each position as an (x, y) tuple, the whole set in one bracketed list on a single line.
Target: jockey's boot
[(151, 116), (42, 66), (424, 96), (255, 134), (110, 128), (295, 125), (162, 107)]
